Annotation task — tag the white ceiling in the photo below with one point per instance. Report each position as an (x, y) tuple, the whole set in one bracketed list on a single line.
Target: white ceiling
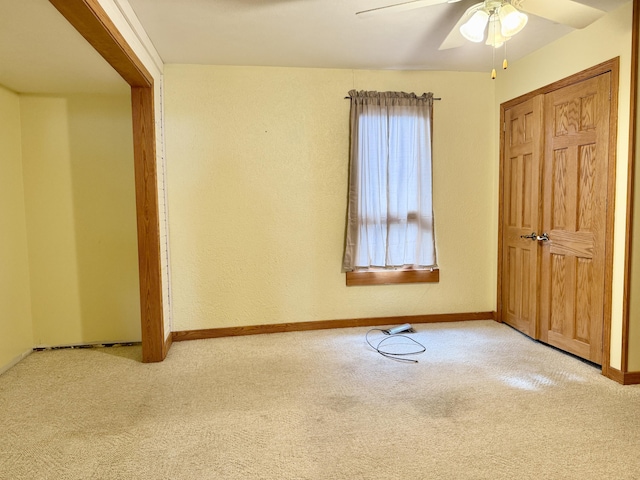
[(326, 33), (41, 53)]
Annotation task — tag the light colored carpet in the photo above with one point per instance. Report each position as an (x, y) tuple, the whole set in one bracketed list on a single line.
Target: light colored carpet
[(484, 402)]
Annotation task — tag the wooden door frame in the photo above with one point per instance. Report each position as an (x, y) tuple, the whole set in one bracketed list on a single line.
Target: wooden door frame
[(92, 22), (613, 67), (624, 376)]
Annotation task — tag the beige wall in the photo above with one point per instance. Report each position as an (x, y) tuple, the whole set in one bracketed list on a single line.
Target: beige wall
[(80, 204), (607, 38), (257, 180), (16, 338)]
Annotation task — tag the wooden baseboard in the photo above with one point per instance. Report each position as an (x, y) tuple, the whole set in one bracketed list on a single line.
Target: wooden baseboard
[(623, 378), (326, 324), (167, 345), (631, 378)]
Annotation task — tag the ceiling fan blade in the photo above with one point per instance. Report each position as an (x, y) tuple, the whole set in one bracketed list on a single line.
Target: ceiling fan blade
[(455, 38), (567, 12), (399, 7)]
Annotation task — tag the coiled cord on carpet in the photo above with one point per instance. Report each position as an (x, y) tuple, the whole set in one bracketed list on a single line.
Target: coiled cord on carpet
[(398, 356)]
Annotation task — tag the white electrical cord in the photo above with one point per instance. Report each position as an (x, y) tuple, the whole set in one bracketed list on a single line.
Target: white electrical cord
[(395, 355)]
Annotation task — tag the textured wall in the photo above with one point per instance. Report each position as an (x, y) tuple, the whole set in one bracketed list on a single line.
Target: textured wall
[(15, 303), (257, 178), (80, 204), (575, 52)]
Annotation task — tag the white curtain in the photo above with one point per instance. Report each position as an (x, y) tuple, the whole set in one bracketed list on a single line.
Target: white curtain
[(390, 213)]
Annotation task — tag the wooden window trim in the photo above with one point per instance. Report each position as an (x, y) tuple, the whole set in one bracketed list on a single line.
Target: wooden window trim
[(392, 277)]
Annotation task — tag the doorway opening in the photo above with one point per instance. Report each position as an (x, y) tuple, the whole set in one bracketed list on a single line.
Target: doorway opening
[(93, 23)]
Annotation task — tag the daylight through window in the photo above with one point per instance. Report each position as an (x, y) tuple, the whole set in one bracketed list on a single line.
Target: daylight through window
[(390, 211)]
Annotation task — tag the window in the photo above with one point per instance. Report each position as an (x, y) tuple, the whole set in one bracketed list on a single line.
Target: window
[(390, 227)]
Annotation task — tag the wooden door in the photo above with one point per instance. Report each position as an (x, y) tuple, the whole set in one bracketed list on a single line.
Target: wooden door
[(574, 199), (523, 147)]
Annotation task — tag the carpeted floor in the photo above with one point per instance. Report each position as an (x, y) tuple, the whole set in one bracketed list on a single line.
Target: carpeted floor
[(484, 402)]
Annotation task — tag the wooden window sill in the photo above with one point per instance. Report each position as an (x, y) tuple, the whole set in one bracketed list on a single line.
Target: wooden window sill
[(392, 277)]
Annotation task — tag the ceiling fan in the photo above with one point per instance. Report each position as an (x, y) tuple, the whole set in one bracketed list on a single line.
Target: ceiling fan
[(567, 12)]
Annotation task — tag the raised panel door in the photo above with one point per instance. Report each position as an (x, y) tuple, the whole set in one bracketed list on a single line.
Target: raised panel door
[(574, 186), (521, 189)]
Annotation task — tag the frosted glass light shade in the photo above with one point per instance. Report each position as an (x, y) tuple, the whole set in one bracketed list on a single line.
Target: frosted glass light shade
[(473, 29), (494, 33), (512, 20)]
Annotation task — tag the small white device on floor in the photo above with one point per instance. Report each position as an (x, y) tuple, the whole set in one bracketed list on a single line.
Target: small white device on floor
[(405, 327)]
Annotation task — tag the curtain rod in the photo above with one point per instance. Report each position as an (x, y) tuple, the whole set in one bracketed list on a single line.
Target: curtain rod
[(347, 98)]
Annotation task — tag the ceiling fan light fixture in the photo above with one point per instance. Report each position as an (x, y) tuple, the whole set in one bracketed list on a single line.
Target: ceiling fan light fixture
[(494, 35), (511, 20), (473, 29)]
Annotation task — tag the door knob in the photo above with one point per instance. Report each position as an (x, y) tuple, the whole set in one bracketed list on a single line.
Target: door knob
[(543, 238)]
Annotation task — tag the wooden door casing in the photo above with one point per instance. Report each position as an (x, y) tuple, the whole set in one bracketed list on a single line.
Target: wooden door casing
[(523, 148), (574, 185)]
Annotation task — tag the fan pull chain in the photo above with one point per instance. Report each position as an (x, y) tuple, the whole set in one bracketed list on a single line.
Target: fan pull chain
[(505, 64), (493, 48)]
